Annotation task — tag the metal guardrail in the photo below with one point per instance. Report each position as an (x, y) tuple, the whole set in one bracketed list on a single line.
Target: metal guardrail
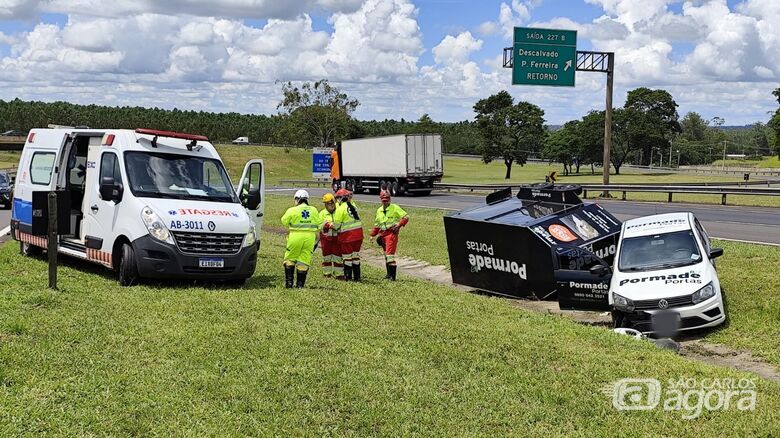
[(637, 188), (305, 182)]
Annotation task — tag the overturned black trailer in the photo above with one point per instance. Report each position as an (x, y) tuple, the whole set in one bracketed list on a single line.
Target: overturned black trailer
[(505, 246)]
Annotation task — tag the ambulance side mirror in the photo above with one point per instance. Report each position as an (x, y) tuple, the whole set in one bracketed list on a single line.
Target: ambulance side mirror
[(110, 190), (716, 252), (252, 199)]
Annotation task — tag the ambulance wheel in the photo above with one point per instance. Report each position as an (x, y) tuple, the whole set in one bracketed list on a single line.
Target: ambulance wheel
[(128, 269), (29, 250)]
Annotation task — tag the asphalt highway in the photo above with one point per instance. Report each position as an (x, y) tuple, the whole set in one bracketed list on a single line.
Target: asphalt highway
[(752, 224)]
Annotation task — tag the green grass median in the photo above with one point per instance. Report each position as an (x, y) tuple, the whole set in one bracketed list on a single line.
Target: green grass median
[(375, 358)]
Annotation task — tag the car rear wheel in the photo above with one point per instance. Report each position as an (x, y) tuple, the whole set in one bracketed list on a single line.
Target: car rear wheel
[(128, 269)]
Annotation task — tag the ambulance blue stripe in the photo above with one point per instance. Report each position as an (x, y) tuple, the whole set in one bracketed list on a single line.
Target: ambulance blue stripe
[(22, 211)]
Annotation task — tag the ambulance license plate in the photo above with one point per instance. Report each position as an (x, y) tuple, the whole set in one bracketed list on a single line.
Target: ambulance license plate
[(211, 263)]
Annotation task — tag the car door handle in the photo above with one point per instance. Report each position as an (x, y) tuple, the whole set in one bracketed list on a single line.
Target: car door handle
[(94, 208)]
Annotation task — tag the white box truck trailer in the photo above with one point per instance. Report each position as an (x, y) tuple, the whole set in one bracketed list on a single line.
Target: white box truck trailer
[(407, 163)]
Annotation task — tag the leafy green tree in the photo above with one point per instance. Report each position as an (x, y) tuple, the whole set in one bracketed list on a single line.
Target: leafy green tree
[(510, 131), (652, 120), (319, 108), (563, 146), (694, 127), (774, 123)]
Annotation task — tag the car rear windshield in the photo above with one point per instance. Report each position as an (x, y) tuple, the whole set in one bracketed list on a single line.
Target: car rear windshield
[(155, 175), (659, 251)]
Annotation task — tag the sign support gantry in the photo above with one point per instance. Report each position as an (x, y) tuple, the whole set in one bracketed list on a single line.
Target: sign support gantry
[(600, 62)]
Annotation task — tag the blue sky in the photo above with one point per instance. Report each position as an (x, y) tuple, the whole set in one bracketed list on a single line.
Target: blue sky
[(401, 58)]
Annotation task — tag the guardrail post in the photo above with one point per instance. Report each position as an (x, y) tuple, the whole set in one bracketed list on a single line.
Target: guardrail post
[(723, 200), (670, 196), (585, 194), (624, 195)]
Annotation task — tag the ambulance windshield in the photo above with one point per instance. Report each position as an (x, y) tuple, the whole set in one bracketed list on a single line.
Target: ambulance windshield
[(659, 251), (155, 175)]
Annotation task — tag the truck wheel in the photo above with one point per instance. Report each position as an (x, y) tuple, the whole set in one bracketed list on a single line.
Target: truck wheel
[(29, 250), (394, 188), (401, 189), (128, 269)]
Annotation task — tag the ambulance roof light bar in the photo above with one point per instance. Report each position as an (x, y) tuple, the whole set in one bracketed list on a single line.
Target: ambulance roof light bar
[(194, 138)]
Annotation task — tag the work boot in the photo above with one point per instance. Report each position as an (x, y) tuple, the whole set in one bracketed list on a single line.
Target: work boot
[(387, 267), (289, 273), (301, 280), (356, 271), (393, 271), (348, 272)]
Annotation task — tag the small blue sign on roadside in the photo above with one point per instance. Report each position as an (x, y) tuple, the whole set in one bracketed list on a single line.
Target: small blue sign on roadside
[(320, 163)]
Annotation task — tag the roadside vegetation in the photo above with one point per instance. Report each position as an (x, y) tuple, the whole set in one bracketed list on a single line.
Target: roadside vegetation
[(748, 274), (763, 163), (368, 359), (9, 159)]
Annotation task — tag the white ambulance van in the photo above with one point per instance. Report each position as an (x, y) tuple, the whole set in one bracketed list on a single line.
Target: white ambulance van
[(663, 275), (145, 203)]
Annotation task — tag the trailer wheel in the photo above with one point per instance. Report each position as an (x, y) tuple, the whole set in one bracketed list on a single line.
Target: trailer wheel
[(128, 269), (394, 188), (29, 250), (402, 189)]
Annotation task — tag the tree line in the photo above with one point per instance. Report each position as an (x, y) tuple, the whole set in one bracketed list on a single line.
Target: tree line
[(646, 130), (310, 115)]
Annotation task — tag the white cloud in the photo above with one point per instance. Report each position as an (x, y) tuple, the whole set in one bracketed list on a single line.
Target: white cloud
[(488, 28), (202, 54), (453, 50)]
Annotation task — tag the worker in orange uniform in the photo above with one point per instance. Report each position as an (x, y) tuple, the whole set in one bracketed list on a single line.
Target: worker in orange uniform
[(332, 264), (335, 169), (350, 230), (390, 218), (303, 223)]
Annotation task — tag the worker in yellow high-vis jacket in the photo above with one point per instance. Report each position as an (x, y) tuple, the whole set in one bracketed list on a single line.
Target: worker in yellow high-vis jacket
[(332, 263), (303, 223), (390, 218), (350, 234)]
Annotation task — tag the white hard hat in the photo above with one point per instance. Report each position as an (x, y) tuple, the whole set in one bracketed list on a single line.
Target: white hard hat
[(301, 194)]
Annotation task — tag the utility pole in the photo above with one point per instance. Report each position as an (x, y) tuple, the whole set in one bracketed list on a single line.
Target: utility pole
[(724, 155), (608, 120)]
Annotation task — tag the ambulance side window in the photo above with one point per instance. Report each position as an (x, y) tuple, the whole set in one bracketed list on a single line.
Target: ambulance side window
[(41, 166), (213, 177), (109, 166)]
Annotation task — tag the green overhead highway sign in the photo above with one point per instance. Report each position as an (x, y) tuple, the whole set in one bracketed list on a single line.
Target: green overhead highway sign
[(544, 57)]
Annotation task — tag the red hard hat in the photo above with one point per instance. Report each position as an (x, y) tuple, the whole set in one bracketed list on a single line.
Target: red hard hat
[(342, 192), (384, 196)]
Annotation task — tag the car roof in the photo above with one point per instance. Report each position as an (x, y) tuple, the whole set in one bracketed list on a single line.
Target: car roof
[(657, 223)]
